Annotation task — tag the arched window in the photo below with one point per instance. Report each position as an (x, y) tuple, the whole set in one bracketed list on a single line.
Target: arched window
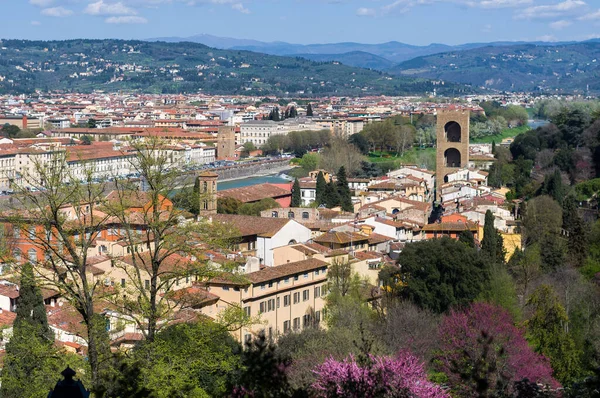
[(305, 215), (274, 214), (453, 132), (452, 157), (395, 211), (17, 255), (291, 214), (292, 242)]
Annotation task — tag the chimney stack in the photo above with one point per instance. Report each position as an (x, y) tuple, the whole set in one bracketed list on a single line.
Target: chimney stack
[(24, 121)]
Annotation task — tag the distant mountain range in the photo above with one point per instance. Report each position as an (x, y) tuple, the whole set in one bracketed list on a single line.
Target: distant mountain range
[(380, 56), (567, 68)]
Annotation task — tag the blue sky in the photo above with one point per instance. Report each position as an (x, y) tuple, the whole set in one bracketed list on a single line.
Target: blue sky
[(305, 21)]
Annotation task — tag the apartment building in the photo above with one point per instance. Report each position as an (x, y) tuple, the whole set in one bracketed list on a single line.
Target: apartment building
[(259, 131)]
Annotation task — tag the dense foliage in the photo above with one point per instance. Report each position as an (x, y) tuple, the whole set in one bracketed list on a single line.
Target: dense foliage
[(86, 65)]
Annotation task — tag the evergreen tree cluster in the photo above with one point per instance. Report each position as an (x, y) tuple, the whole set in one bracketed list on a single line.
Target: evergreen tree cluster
[(334, 194)]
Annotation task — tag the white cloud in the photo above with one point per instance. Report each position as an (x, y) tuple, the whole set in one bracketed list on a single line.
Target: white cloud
[(41, 3), (500, 3), (487, 28), (240, 7), (591, 16), (57, 12), (127, 19), (35, 23), (551, 11), (558, 25), (102, 8), (365, 12)]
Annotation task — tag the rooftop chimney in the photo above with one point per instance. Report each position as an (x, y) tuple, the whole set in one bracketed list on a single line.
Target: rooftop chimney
[(24, 121)]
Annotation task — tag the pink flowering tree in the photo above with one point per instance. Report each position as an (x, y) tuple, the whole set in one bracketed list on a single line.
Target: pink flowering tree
[(483, 352), (399, 377)]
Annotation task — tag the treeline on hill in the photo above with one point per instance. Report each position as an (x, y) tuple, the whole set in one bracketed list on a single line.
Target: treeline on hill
[(159, 67)]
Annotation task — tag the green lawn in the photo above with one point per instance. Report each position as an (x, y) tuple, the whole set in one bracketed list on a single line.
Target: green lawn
[(421, 157), (506, 133)]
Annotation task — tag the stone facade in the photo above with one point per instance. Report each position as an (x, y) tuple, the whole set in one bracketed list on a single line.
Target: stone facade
[(452, 144)]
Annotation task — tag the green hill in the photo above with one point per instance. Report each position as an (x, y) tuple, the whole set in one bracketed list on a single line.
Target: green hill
[(565, 68), (159, 67)]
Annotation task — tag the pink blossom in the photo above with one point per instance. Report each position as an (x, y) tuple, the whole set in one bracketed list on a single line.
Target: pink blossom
[(463, 335), (399, 377)]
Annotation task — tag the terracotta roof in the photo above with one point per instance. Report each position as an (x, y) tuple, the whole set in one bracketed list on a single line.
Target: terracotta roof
[(377, 238), (10, 291), (367, 256), (251, 225), (298, 267), (450, 226), (254, 193), (7, 318), (340, 237)]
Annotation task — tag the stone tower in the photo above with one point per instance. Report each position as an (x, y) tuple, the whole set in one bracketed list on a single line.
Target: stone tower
[(207, 193), (452, 153), (226, 143)]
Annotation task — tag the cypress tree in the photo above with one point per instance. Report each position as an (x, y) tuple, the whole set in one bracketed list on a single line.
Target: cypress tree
[(332, 199), (309, 110), (492, 243), (296, 200), (321, 189), (343, 190), (31, 365)]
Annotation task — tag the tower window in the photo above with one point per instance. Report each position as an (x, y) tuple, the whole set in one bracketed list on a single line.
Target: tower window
[(453, 132)]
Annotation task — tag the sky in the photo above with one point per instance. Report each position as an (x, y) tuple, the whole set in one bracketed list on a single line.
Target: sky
[(418, 22)]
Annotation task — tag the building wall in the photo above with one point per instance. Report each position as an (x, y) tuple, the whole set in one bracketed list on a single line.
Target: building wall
[(292, 231)]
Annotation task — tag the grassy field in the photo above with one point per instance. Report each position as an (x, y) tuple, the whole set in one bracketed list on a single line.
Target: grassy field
[(421, 157), (506, 133)]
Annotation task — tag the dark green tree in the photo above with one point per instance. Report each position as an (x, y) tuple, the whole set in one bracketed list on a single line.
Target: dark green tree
[(296, 199), (321, 189), (264, 373), (86, 140), (10, 130), (492, 245), (553, 187), (91, 123), (309, 110), (360, 142), (493, 147), (228, 205), (332, 198), (30, 365), (467, 238), (345, 198), (441, 273)]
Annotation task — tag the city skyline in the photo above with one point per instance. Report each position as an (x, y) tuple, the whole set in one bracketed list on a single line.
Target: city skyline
[(418, 22)]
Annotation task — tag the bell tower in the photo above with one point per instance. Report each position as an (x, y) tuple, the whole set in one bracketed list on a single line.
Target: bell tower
[(452, 153), (207, 193)]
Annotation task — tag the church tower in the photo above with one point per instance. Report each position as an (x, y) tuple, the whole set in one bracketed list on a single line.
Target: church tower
[(452, 152), (207, 193)]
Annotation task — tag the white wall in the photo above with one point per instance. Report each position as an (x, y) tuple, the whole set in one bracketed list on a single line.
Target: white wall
[(290, 231)]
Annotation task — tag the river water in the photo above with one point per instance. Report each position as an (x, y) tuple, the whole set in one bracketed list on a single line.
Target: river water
[(244, 182)]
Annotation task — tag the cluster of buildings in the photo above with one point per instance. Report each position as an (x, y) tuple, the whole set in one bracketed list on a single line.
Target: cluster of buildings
[(283, 258)]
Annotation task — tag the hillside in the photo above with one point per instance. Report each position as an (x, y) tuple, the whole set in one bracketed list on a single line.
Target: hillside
[(359, 59), (160, 67), (393, 51), (567, 67)]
